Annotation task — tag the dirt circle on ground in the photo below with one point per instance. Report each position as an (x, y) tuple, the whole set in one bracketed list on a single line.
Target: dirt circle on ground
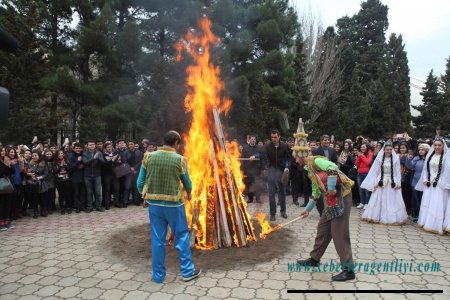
[(131, 246)]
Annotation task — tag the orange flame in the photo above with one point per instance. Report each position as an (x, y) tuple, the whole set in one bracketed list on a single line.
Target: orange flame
[(266, 228), (206, 92)]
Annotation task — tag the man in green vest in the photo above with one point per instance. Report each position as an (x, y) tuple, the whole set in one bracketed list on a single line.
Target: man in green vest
[(162, 176)]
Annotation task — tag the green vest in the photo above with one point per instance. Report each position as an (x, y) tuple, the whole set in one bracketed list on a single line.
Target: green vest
[(163, 170)]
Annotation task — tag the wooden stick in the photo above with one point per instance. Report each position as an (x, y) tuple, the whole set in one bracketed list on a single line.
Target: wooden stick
[(244, 158), (238, 217), (193, 232), (291, 221), (221, 206)]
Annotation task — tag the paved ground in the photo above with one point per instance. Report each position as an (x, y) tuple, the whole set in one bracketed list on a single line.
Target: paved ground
[(106, 256)]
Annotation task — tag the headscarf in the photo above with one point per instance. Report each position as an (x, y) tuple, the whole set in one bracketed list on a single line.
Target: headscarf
[(374, 175), (444, 179)]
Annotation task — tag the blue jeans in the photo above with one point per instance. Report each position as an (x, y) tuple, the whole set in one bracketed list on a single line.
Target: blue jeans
[(93, 188), (364, 195), (175, 217), (416, 201), (275, 185)]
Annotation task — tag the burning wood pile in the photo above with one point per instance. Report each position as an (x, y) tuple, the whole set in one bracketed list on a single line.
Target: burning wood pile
[(217, 214)]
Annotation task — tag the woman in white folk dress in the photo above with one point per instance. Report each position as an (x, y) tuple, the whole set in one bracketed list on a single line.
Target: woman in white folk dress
[(446, 182), (386, 205), (435, 192)]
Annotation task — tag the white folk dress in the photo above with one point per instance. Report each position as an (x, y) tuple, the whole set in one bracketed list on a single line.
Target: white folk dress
[(386, 205), (434, 199)]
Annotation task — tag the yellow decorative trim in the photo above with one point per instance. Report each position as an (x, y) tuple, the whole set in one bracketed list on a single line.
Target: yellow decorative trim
[(431, 230), (149, 196), (300, 135)]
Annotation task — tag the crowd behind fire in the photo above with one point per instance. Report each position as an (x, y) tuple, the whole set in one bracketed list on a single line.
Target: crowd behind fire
[(101, 174)]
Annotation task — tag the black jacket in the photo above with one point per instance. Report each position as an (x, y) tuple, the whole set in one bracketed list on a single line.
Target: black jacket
[(277, 157), (332, 156)]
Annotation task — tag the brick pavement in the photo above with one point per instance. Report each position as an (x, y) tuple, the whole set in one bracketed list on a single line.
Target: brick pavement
[(106, 256)]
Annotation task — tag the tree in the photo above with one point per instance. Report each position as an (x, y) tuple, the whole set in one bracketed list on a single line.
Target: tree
[(397, 86), (431, 112), (22, 71), (445, 87)]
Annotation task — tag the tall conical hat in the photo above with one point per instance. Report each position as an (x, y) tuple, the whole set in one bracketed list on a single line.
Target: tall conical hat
[(300, 148)]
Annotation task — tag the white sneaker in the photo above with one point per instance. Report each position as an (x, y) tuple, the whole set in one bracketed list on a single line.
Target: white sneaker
[(360, 205), (365, 206)]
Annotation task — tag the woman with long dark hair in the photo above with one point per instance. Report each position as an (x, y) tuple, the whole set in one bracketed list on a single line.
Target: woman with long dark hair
[(16, 177), (345, 159), (384, 181), (62, 181), (36, 174), (5, 199), (435, 189), (49, 161)]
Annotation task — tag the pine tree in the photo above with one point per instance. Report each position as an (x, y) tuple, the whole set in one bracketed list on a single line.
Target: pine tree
[(445, 87), (21, 72), (397, 86), (431, 113)]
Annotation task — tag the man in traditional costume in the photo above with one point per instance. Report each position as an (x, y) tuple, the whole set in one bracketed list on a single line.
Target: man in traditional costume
[(335, 187), (162, 176)]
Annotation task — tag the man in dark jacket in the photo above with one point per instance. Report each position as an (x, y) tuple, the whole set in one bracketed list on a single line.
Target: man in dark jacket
[(135, 164), (93, 160), (125, 181), (324, 150), (76, 175), (277, 162)]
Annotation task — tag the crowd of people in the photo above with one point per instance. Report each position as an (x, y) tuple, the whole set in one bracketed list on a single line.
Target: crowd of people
[(96, 175), (395, 181)]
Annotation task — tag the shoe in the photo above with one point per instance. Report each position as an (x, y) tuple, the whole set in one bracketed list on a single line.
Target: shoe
[(296, 203), (284, 215), (303, 205), (365, 206), (344, 276), (100, 209), (63, 211), (10, 226), (249, 201), (272, 218), (3, 228), (88, 210), (308, 262), (193, 276), (69, 211), (107, 207), (360, 205), (77, 210), (119, 205)]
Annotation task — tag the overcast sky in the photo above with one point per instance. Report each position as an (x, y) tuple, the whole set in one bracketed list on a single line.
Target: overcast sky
[(425, 26)]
